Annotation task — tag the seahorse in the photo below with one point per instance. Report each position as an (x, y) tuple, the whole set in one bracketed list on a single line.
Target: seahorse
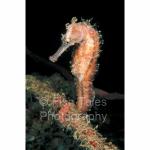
[(84, 61)]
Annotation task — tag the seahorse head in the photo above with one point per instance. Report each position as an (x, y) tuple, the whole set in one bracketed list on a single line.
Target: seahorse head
[(74, 33)]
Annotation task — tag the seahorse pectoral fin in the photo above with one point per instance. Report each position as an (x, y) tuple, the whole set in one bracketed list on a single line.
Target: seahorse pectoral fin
[(60, 51)]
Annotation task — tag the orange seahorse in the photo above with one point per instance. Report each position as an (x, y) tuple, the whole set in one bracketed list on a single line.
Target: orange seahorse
[(84, 63)]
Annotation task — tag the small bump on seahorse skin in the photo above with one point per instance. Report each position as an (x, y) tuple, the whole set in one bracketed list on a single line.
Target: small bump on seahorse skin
[(67, 25), (100, 36), (102, 41), (95, 25), (80, 78), (97, 67), (87, 22), (83, 20), (74, 20), (62, 36), (90, 20), (96, 127)]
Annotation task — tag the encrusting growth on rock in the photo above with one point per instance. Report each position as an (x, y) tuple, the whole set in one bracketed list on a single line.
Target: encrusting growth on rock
[(81, 127), (84, 61)]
